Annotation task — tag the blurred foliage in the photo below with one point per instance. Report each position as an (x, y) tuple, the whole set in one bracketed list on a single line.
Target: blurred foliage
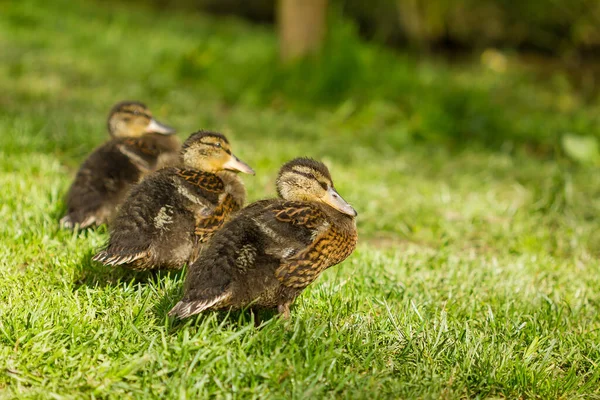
[(558, 27), (493, 102), (358, 91), (582, 148)]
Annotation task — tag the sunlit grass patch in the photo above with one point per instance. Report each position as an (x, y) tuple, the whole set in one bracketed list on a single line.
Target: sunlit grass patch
[(476, 273)]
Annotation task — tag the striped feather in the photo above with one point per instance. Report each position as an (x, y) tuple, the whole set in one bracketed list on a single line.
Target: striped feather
[(185, 309)]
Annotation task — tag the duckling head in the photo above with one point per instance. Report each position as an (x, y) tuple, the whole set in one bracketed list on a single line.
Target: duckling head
[(134, 119), (211, 152), (305, 179)]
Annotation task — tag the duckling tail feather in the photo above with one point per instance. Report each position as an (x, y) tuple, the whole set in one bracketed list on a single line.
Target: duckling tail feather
[(107, 258), (184, 309)]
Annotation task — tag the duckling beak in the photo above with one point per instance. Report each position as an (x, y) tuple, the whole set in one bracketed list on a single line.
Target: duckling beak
[(333, 199), (157, 127), (235, 164)]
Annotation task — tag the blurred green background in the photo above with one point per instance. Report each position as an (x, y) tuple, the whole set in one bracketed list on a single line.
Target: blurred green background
[(554, 27), (493, 73)]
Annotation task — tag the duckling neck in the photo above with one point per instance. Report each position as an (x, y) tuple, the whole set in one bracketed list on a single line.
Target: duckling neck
[(343, 221), (234, 186)]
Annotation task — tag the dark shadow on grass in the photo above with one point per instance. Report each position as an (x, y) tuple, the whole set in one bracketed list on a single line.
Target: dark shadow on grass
[(94, 274), (234, 318)]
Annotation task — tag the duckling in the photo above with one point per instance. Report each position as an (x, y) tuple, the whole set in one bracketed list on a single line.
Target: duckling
[(168, 216), (268, 253), (138, 144)]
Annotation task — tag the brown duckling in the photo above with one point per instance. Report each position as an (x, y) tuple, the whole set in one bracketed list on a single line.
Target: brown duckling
[(167, 217), (137, 145), (273, 249)]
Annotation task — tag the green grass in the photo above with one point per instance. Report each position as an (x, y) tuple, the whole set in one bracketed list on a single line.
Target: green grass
[(477, 272)]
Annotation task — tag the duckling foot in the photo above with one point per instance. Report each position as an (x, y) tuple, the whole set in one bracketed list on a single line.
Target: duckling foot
[(66, 222), (256, 317), (284, 309)]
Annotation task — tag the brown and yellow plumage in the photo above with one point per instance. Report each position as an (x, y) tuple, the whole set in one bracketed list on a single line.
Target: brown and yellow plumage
[(206, 226), (273, 249), (151, 148), (205, 180), (166, 218), (330, 248)]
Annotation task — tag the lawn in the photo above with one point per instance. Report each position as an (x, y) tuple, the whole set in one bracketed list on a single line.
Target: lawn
[(476, 274)]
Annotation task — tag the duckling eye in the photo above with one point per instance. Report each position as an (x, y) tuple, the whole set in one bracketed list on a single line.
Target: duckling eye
[(323, 185), (218, 145)]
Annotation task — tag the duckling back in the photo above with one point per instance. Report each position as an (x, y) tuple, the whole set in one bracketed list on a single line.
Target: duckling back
[(266, 255), (106, 176), (167, 218)]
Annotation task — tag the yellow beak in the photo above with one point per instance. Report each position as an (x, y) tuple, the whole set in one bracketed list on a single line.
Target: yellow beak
[(333, 199), (157, 127), (235, 164)]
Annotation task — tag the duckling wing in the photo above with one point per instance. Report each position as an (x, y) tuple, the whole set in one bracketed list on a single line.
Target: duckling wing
[(152, 215), (196, 191), (143, 152), (219, 277), (210, 279), (141, 162), (151, 151), (266, 246), (327, 246), (100, 184)]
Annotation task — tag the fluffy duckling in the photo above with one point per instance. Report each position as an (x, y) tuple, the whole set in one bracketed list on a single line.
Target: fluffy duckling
[(273, 249), (166, 218), (136, 146)]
